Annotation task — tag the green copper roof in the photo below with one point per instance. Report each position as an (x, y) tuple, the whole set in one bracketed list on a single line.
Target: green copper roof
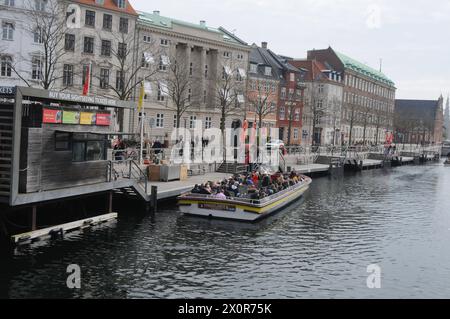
[(364, 69), (158, 21)]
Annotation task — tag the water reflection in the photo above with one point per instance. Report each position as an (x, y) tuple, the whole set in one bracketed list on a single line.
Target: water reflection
[(318, 247)]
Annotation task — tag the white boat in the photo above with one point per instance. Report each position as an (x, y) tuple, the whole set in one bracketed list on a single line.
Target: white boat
[(241, 209)]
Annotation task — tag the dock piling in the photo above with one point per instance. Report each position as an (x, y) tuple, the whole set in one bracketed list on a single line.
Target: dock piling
[(33, 218), (154, 199)]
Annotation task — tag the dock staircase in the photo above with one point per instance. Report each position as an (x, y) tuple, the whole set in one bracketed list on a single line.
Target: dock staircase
[(136, 180), (6, 149)]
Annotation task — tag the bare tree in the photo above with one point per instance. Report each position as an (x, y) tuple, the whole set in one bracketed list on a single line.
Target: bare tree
[(229, 95), (179, 86), (352, 118), (291, 111), (133, 62), (261, 101), (48, 29)]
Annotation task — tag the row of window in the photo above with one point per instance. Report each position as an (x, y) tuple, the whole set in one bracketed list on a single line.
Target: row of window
[(368, 102), (90, 17), (89, 46), (38, 5), (104, 77), (283, 114), (371, 133), (159, 123), (369, 87), (268, 86)]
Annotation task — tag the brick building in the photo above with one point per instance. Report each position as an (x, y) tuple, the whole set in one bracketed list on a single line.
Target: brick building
[(419, 121), (368, 101)]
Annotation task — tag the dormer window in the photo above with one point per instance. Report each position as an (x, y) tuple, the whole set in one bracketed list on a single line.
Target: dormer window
[(253, 68), (122, 4), (268, 71)]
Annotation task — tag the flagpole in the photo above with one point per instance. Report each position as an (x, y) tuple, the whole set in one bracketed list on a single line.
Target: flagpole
[(142, 135)]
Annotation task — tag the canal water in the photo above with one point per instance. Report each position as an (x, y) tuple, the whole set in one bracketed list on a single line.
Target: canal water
[(320, 247)]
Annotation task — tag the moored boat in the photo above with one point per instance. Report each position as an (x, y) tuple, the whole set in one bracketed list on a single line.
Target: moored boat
[(241, 209)]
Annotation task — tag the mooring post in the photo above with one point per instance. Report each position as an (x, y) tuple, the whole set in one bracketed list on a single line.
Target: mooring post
[(154, 199), (33, 217), (110, 202)]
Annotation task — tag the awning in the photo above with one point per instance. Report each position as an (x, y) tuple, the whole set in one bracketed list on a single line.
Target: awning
[(242, 73), (149, 58), (227, 70), (165, 60)]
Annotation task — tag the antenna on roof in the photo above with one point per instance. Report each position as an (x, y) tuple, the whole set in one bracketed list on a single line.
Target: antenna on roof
[(381, 64)]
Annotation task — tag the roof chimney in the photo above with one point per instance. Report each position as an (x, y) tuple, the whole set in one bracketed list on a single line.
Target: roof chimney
[(203, 23), (264, 45), (156, 13)]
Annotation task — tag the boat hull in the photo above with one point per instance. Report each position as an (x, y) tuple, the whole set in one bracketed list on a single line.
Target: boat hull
[(231, 210)]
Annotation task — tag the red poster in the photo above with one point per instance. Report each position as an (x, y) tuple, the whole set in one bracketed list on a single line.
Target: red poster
[(51, 116), (103, 119)]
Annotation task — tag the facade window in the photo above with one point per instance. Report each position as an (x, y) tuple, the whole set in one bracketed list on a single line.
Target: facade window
[(282, 113), (69, 42), (104, 79), (160, 120), (297, 114), (227, 54), (121, 4), (320, 88), (88, 147), (6, 66), (40, 5), (36, 69), (164, 42), (295, 133), (63, 141), (189, 95), (88, 45), (68, 75), (120, 81), (204, 96), (283, 93), (106, 48), (107, 22), (192, 121), (8, 31), (122, 51), (147, 39), (89, 20), (174, 120), (163, 63), (292, 77), (123, 25), (206, 71), (191, 68), (9, 3), (37, 36), (208, 122), (267, 87), (240, 56)]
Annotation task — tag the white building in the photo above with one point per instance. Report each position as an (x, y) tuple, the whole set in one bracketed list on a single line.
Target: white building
[(20, 47), (206, 52)]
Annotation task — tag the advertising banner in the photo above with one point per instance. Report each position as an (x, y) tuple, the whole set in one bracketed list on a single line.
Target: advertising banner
[(103, 119), (71, 117), (51, 116), (87, 118)]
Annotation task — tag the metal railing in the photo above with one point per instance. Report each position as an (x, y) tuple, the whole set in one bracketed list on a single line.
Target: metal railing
[(128, 169)]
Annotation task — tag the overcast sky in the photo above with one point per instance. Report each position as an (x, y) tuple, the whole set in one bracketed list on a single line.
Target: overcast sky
[(411, 37)]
